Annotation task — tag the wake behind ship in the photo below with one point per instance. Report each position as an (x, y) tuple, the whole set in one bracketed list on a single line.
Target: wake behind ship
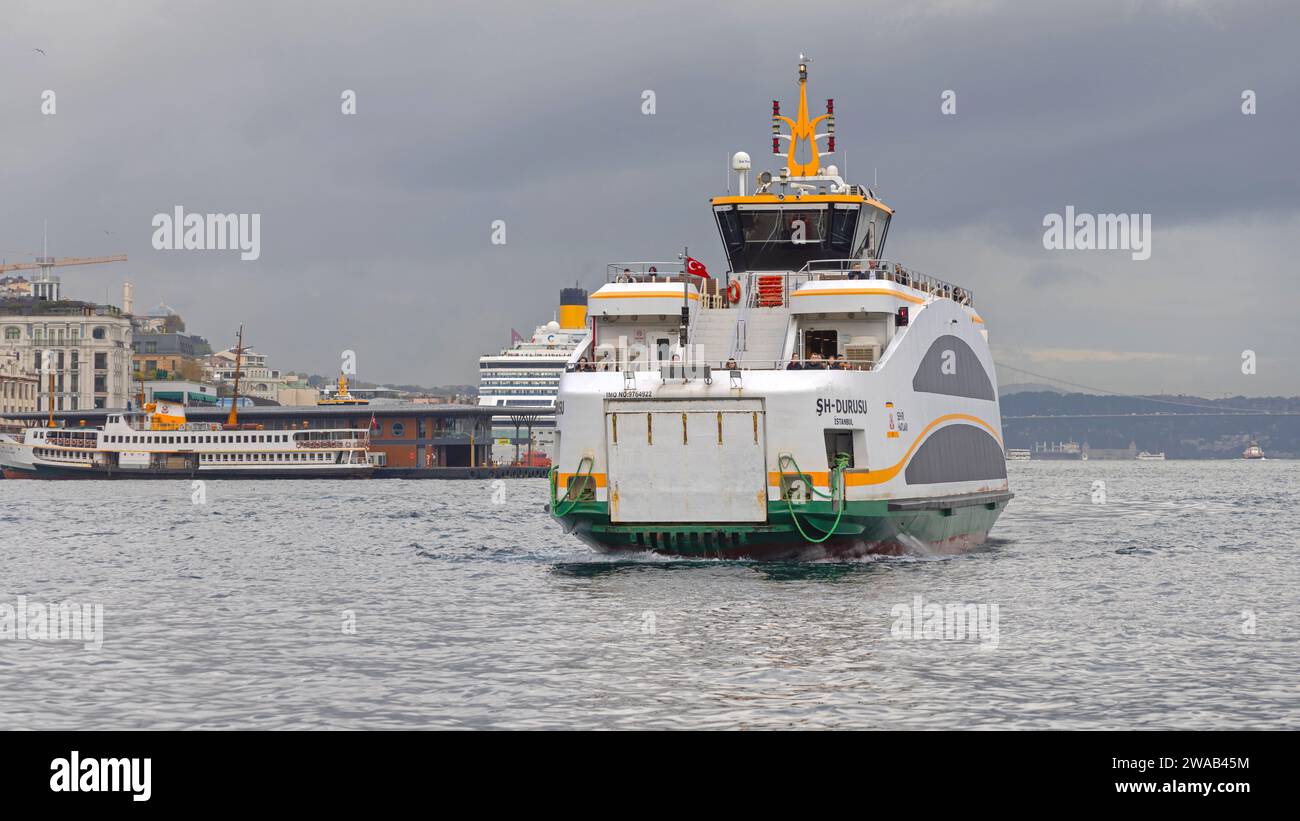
[(823, 401)]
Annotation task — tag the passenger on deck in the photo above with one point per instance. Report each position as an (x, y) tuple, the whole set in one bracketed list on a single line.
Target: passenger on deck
[(584, 365), (795, 364), (731, 365)]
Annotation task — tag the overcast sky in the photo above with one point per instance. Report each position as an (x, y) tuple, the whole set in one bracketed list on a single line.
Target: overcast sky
[(376, 228)]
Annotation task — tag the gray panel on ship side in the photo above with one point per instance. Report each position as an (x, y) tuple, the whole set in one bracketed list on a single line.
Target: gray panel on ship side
[(957, 453), (969, 378)]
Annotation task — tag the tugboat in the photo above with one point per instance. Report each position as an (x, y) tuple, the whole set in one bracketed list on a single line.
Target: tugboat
[(341, 395), (822, 401), (1253, 452)]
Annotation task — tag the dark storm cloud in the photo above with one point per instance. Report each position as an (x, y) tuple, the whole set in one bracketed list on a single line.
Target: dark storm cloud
[(375, 228)]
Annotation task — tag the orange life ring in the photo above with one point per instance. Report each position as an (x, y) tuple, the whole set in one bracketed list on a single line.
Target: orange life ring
[(733, 291)]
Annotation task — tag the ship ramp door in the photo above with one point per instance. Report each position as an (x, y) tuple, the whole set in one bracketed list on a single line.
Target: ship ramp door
[(686, 461)]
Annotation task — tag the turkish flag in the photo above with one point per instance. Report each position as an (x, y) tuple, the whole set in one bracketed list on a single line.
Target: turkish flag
[(694, 266)]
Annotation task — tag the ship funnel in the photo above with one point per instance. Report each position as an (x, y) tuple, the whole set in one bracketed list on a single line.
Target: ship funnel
[(573, 308)]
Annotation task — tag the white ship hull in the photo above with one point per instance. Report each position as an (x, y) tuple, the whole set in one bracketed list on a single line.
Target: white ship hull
[(688, 467)]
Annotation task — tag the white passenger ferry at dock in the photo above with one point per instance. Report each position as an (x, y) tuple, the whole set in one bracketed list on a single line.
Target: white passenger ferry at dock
[(821, 401), (160, 444)]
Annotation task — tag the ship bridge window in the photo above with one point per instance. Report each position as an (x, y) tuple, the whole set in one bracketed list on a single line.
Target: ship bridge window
[(784, 237), (875, 227)]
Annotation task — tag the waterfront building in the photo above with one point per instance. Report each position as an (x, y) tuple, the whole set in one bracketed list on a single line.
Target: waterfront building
[(19, 385), (165, 353), (89, 345), (180, 391), (256, 379)]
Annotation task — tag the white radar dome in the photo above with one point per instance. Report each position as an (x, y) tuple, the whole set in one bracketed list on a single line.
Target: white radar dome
[(740, 161), (552, 325)]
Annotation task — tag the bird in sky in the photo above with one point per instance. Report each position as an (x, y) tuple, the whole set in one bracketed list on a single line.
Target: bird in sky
[(41, 50)]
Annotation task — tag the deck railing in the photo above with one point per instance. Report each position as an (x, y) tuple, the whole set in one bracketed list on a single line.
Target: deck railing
[(715, 368), (650, 271), (883, 269), (333, 444)]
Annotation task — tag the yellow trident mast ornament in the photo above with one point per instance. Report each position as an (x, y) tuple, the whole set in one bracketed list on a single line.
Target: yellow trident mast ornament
[(801, 129)]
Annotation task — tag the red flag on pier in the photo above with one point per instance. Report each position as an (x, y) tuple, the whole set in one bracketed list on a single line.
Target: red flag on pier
[(694, 266)]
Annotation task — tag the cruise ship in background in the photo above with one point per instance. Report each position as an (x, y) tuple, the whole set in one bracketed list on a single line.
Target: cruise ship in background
[(523, 380)]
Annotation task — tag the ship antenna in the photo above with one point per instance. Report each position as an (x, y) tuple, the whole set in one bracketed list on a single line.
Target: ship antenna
[(803, 130)]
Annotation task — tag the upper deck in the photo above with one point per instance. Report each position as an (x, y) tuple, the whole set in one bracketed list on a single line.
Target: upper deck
[(806, 278)]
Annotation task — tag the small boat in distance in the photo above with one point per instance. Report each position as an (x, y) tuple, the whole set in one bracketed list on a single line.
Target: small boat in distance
[(1253, 452), (342, 397), (1019, 455), (1144, 456)]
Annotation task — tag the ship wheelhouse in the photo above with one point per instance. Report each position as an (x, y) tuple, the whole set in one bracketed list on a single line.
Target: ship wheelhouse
[(784, 232)]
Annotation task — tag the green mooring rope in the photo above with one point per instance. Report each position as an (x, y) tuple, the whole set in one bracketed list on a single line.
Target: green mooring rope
[(555, 481), (837, 483)]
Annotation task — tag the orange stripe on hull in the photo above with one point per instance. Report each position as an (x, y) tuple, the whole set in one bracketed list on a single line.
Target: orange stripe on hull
[(876, 477)]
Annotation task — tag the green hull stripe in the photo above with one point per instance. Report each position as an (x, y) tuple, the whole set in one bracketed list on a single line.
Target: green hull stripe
[(862, 520)]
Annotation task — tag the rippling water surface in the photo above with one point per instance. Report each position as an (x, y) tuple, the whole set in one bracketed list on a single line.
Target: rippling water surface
[(474, 610)]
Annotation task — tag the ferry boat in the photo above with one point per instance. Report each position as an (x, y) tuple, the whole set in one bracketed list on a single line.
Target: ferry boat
[(13, 452), (1253, 452), (1059, 450), (1018, 455), (822, 401), (160, 444), (1144, 456), (522, 380)]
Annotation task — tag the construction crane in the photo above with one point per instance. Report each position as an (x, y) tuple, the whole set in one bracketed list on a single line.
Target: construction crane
[(44, 284)]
